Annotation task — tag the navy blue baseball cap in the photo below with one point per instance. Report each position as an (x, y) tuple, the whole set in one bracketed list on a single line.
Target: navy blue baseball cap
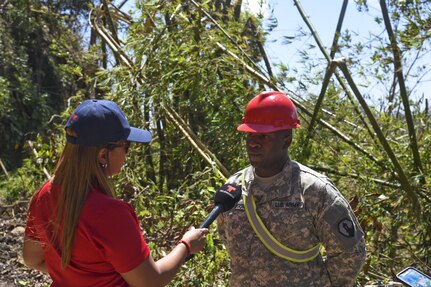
[(100, 122)]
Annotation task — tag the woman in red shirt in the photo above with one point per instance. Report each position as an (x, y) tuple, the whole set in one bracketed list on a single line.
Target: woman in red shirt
[(77, 231)]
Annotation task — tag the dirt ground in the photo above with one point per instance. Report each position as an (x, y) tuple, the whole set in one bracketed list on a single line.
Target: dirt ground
[(13, 272)]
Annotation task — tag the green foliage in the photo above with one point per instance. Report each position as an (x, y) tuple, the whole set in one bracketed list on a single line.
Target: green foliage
[(39, 163), (41, 65), (167, 214), (178, 63)]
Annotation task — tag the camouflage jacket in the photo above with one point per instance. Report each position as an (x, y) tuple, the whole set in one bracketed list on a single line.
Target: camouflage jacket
[(300, 209)]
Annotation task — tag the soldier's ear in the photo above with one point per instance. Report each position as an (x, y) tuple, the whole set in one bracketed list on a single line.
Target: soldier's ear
[(287, 140)]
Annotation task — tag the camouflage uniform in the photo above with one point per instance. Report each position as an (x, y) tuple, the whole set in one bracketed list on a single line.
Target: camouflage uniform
[(300, 209)]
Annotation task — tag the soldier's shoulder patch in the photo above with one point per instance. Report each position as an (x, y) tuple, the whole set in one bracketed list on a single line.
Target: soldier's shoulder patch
[(346, 227)]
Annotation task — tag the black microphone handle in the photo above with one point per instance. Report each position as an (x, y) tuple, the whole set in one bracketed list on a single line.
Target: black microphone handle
[(207, 222), (212, 216)]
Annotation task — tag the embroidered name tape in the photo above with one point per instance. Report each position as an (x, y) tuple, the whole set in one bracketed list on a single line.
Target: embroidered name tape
[(287, 204)]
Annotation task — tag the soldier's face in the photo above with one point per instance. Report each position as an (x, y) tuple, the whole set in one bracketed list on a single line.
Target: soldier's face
[(267, 152)]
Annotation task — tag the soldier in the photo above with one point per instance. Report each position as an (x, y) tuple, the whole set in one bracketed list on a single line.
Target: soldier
[(288, 213)]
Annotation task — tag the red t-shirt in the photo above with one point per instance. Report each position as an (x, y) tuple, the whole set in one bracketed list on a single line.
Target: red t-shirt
[(108, 239)]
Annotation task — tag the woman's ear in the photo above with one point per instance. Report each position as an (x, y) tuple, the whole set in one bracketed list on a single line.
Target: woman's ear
[(102, 156)]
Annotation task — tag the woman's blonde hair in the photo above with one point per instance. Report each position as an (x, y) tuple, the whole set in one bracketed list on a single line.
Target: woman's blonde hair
[(77, 171)]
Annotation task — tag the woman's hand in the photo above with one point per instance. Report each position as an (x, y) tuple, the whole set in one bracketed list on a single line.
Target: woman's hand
[(195, 238)]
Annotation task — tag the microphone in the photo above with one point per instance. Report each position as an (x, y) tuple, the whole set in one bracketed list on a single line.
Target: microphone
[(225, 199)]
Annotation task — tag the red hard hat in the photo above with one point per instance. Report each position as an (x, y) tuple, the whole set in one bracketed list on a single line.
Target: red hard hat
[(269, 112)]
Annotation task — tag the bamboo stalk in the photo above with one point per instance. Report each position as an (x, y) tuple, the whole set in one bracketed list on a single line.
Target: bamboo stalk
[(122, 3), (45, 171), (338, 29), (109, 21), (189, 138), (261, 48), (399, 170), (194, 139), (403, 91), (4, 169), (329, 59), (355, 176), (115, 46), (223, 31), (252, 71), (329, 72)]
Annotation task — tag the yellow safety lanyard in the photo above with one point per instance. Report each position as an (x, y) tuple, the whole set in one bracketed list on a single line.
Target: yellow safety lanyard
[(268, 239)]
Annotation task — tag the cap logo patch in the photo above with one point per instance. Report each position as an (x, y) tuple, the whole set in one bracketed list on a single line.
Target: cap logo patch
[(74, 117)]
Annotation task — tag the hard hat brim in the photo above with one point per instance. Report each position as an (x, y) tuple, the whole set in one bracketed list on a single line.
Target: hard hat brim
[(255, 128)]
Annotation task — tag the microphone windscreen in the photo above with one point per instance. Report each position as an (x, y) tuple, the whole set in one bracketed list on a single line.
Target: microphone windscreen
[(227, 196)]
